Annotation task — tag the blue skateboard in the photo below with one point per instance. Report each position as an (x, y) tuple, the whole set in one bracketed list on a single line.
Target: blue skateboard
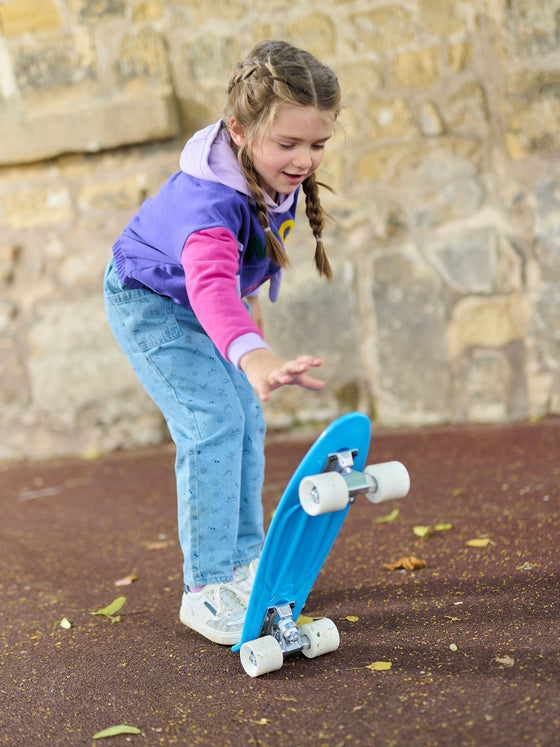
[(301, 534)]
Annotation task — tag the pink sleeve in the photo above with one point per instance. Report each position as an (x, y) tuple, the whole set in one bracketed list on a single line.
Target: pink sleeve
[(211, 262)]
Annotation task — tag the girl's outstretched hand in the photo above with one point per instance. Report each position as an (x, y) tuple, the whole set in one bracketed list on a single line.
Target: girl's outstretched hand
[(266, 372)]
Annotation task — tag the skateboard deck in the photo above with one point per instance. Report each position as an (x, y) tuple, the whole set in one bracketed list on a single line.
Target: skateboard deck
[(297, 543)]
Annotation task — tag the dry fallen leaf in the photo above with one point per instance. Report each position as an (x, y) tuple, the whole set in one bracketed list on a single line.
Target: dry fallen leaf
[(379, 666), (159, 545), (480, 542), (506, 661), (351, 618), (409, 563), (127, 580)]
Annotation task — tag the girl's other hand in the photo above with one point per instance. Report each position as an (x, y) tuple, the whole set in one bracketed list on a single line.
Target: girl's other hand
[(266, 372)]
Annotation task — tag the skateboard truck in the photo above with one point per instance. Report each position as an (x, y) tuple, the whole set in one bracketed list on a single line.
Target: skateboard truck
[(279, 623), (339, 483), (280, 637)]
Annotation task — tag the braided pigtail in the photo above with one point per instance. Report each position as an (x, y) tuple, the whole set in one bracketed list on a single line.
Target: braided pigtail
[(316, 217), (274, 249)]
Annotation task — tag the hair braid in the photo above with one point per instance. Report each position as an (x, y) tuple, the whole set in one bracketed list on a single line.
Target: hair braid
[(274, 249), (316, 217)]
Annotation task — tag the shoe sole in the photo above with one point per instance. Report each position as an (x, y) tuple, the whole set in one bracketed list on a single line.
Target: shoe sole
[(222, 637)]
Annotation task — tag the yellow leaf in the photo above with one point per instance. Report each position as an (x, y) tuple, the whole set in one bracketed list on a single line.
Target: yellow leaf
[(303, 619), (421, 531), (351, 618), (262, 722), (442, 527), (113, 731), (388, 517), (480, 542), (453, 646), (65, 623), (380, 666)]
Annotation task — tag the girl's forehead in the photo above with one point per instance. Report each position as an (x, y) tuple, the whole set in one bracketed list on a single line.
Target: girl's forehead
[(293, 118)]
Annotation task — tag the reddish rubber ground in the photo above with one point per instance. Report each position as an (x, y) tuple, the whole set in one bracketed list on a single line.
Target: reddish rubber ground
[(473, 638)]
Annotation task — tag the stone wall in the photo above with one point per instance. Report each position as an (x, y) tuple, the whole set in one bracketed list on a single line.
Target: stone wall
[(445, 240)]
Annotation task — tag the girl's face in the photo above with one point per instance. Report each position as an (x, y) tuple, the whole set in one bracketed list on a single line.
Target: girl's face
[(289, 150)]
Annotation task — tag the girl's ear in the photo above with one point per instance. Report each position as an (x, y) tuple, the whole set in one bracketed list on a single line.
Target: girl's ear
[(237, 132)]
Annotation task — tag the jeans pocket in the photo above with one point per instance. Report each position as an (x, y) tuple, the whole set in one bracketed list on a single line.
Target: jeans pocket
[(146, 319)]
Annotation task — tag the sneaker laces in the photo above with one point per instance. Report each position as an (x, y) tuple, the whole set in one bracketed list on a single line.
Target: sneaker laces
[(230, 600)]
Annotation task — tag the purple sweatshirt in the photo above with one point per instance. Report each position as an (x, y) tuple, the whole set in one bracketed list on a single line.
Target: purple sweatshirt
[(199, 242)]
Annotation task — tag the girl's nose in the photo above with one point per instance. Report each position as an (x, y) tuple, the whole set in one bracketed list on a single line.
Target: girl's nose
[(302, 159)]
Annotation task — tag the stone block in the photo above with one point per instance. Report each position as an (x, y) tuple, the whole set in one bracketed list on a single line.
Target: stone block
[(18, 17), (443, 22), (389, 118), (147, 11), (476, 260), (466, 106), (484, 387), (143, 54), (417, 69), (383, 29), (460, 56), (430, 121), (315, 32), (122, 194), (435, 205), (437, 162), (547, 228), (414, 383), (531, 28), (532, 112), (379, 162), (65, 62), (38, 206), (487, 322), (89, 126), (97, 11), (75, 365)]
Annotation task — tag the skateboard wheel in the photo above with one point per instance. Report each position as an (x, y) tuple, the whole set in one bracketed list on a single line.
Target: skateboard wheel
[(261, 656), (392, 481), (319, 637), (321, 494)]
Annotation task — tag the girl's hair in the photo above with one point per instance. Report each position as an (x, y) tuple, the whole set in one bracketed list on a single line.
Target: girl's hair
[(272, 74)]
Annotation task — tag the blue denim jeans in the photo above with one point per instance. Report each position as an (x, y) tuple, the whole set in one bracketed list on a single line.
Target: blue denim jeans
[(215, 420)]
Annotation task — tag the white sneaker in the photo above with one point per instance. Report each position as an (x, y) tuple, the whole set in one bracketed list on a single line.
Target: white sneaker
[(244, 576), (217, 612)]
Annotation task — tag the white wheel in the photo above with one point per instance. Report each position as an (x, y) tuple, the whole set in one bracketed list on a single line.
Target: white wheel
[(319, 637), (261, 656), (391, 481), (320, 494)]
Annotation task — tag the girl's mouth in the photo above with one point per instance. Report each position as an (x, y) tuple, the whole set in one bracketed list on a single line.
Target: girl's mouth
[(294, 178)]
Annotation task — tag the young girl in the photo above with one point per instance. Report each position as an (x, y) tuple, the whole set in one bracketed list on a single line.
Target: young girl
[(182, 300)]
